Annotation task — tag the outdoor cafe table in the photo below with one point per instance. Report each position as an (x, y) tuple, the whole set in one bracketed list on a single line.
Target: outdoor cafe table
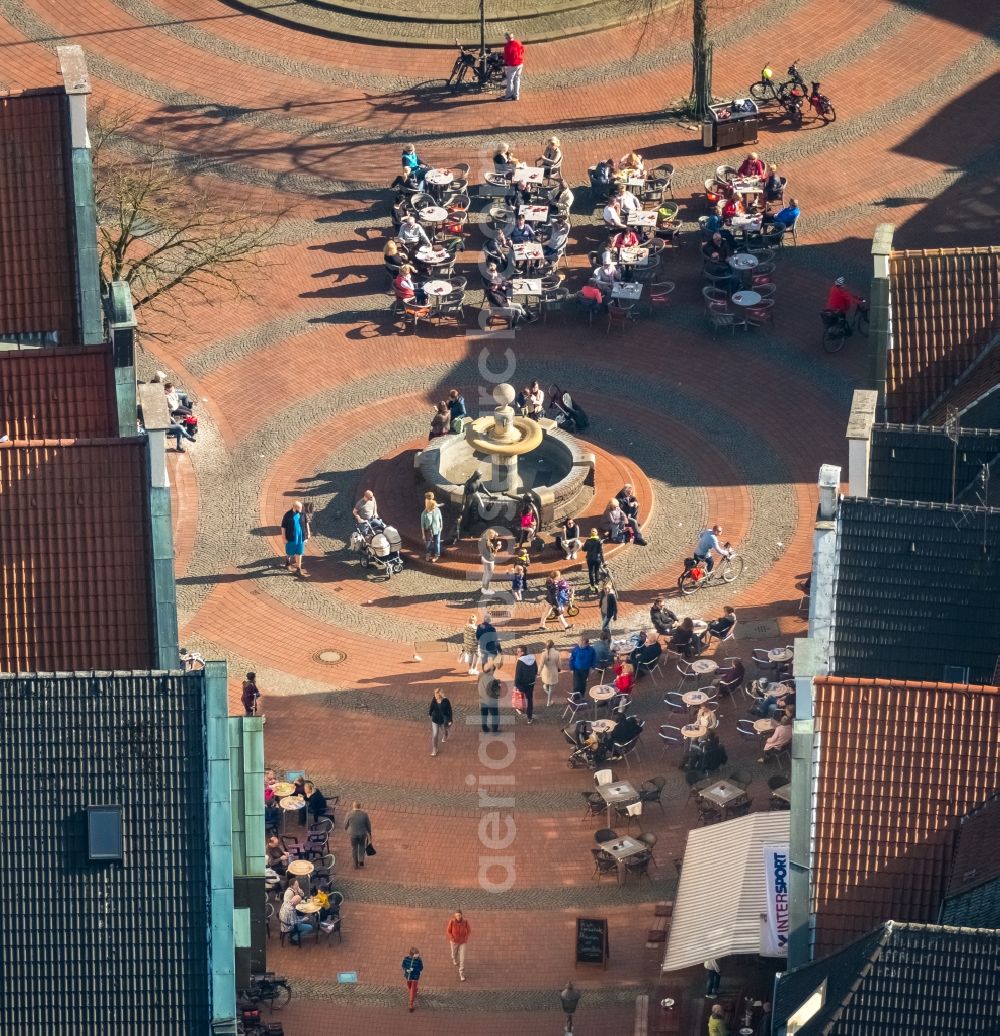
[(700, 626), (641, 219), (433, 214), (694, 698), (632, 254), (779, 655), (784, 793), (746, 298), (618, 793), (432, 256), (301, 869), (290, 804), (439, 177), (745, 224), (723, 794), (603, 726), (528, 251), (630, 290), (747, 185), (744, 265), (601, 693), (310, 908), (764, 726), (704, 666), (527, 286), (282, 788), (437, 290), (534, 213), (621, 849), (528, 174), (692, 731)]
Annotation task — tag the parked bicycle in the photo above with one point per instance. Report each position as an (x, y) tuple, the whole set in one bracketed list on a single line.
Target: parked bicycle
[(793, 95), (269, 988), (766, 89), (475, 71), (838, 326), (696, 573)]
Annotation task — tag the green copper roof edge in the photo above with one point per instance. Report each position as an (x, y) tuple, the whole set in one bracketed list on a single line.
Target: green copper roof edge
[(88, 270)]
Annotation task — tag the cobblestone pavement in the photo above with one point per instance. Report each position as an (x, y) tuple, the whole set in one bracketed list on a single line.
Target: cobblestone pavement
[(309, 391)]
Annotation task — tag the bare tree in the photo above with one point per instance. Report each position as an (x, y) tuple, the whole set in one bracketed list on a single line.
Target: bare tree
[(701, 60), (160, 235)]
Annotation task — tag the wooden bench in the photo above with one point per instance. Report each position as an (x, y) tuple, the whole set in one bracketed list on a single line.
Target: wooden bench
[(641, 1027)]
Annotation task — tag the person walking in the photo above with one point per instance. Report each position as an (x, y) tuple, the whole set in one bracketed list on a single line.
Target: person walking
[(251, 695), (432, 525), (609, 603), (525, 675), (581, 661), (489, 547), (490, 689), (470, 646), (413, 967), (487, 641), (594, 549), (513, 65), (712, 979), (293, 525), (716, 1022), (550, 670), (359, 827), (458, 931), (441, 719)]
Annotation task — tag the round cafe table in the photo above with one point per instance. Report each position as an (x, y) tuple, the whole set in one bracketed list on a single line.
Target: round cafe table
[(700, 626), (433, 257), (290, 804), (601, 693), (307, 906), (747, 298), (301, 869), (779, 655), (704, 666), (282, 788), (603, 726), (743, 261), (433, 214), (437, 290), (764, 726), (692, 732), (694, 698), (439, 177)]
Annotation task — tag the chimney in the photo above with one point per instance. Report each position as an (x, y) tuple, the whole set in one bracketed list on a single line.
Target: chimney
[(829, 490), (859, 440)]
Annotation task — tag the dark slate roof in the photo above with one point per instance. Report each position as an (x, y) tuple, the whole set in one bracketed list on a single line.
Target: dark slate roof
[(117, 948), (899, 764), (973, 894), (62, 393), (917, 462), (903, 979), (37, 272), (916, 590), (946, 318), (76, 591)]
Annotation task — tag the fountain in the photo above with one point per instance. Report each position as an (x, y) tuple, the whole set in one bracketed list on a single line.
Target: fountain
[(504, 457)]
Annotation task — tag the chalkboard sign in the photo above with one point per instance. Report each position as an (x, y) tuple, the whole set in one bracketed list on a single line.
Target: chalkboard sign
[(592, 945)]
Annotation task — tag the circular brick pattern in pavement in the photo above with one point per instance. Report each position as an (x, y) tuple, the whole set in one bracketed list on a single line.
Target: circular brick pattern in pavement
[(330, 656)]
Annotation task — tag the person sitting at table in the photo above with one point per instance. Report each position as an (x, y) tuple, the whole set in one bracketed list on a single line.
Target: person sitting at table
[(613, 214), (400, 208), (779, 740), (731, 206), (606, 277), (721, 626), (771, 704), (787, 216), (299, 787), (751, 166), (707, 718), (719, 244), (712, 223), (602, 650), (561, 195), (721, 272), (558, 239), (591, 298), (522, 231), (551, 156), (315, 801), (498, 294), (629, 202), (684, 640), (712, 754), (626, 238), (277, 855), (405, 289), (504, 160), (411, 233), (662, 618), (625, 730), (631, 163), (646, 655), (625, 678), (730, 678), (604, 174), (291, 924), (773, 187), (498, 250), (440, 422), (393, 256)]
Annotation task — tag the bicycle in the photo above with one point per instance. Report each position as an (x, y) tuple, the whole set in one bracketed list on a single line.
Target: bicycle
[(572, 609), (765, 88), (696, 574), (270, 987), (837, 328), (474, 70)]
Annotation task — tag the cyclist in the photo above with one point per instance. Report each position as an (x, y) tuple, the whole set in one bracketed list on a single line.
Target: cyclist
[(839, 302), (708, 542)]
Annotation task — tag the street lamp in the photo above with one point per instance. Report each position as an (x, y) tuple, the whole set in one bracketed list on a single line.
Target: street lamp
[(569, 998), (482, 38)]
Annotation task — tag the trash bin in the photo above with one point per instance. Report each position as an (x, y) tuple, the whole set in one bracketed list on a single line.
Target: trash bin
[(730, 124)]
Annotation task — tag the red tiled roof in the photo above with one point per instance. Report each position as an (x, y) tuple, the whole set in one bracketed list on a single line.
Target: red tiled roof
[(977, 860), (37, 278), (58, 394), (897, 763), (945, 314), (74, 559), (974, 384)]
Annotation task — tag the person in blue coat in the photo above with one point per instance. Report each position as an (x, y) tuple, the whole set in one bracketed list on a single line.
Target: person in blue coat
[(413, 966)]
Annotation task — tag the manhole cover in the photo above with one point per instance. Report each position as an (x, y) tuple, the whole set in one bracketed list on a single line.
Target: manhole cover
[(329, 657)]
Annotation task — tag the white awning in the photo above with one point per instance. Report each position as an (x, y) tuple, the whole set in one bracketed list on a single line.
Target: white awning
[(722, 893)]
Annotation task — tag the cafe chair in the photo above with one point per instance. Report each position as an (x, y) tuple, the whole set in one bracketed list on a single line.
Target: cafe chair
[(650, 668), (659, 295), (604, 863), (323, 825), (741, 777), (674, 701), (328, 927), (573, 707), (621, 753), (268, 915), (648, 838), (670, 735), (758, 316), (452, 305), (697, 783), (422, 201), (651, 790), (762, 661), (415, 312), (630, 813), (639, 866), (603, 777), (605, 834), (744, 727), (725, 173), (324, 867), (595, 805), (766, 291), (687, 672), (741, 809), (554, 300), (708, 813), (715, 296), (619, 316), (664, 172)]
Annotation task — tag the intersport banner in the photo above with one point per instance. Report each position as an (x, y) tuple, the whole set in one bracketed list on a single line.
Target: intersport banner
[(774, 932)]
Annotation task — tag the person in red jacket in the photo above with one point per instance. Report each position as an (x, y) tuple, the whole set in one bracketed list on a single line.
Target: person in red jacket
[(840, 299), (752, 166), (513, 63), (458, 935)]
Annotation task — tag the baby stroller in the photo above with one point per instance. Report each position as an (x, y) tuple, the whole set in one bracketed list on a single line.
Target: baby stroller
[(583, 755), (379, 546), (570, 416)]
